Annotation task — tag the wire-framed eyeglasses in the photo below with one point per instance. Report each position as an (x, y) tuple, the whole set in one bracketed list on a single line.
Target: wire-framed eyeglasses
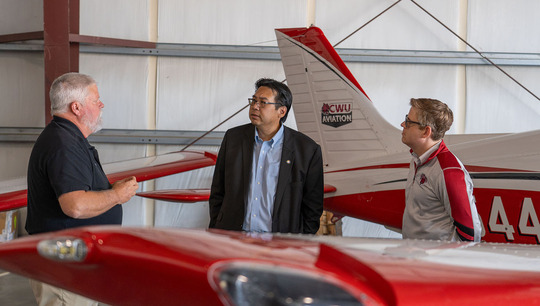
[(261, 104), (409, 122)]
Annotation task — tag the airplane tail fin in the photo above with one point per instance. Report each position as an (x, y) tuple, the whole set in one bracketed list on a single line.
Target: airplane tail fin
[(329, 104)]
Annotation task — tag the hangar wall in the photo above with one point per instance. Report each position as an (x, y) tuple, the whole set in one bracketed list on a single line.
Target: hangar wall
[(183, 93)]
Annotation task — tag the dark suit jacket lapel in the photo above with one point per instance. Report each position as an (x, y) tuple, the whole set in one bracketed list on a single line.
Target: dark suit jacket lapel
[(247, 158), (285, 168)]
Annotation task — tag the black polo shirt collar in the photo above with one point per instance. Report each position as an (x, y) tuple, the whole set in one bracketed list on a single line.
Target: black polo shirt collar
[(68, 125)]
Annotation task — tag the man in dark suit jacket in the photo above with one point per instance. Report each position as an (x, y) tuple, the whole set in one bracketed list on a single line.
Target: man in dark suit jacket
[(268, 177)]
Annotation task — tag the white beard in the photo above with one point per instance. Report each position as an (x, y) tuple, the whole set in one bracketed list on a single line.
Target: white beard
[(93, 126)]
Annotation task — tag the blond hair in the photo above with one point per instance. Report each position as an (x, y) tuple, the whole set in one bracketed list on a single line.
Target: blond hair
[(435, 114)]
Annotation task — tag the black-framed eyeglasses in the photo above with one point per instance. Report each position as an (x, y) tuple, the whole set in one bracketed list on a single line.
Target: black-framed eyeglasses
[(252, 102), (408, 122)]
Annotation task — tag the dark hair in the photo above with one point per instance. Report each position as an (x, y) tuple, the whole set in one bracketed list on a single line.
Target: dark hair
[(281, 91), (434, 113)]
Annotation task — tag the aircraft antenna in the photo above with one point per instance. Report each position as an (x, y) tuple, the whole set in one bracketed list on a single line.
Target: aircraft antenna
[(475, 50), (215, 127)]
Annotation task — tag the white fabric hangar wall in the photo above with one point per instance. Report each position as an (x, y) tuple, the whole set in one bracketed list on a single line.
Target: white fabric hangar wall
[(495, 103), (21, 84), (123, 83), (181, 93)]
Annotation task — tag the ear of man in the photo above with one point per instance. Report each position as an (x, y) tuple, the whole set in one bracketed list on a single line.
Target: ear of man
[(427, 132), (282, 111), (75, 108)]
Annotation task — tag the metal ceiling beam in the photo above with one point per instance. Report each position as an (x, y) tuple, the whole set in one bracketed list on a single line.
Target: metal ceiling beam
[(38, 35), (97, 40), (157, 137), (272, 53)]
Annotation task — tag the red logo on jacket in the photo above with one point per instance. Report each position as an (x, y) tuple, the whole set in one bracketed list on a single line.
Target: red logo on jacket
[(423, 179)]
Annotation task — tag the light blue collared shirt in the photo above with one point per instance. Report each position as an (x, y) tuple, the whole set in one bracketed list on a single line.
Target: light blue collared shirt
[(263, 183)]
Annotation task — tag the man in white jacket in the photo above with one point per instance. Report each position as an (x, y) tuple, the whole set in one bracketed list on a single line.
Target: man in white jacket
[(439, 194)]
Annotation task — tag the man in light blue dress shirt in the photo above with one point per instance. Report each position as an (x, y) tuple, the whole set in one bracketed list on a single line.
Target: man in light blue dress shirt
[(264, 176), (268, 177)]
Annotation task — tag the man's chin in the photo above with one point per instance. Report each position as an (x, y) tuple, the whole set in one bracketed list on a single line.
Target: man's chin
[(96, 127), (403, 140)]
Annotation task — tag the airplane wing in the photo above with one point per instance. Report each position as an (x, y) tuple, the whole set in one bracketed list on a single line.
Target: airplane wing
[(193, 195), (178, 195), (12, 200), (368, 165), (148, 266), (13, 193)]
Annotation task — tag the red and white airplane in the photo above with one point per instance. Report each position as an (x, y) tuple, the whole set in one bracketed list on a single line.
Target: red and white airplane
[(366, 163), (366, 166)]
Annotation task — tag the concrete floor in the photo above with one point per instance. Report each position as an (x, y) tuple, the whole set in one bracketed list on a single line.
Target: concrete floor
[(15, 290)]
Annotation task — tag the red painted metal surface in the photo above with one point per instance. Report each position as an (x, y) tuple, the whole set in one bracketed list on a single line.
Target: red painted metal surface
[(512, 207), (329, 188), (382, 207), (386, 208), (12, 200), (143, 266), (178, 195)]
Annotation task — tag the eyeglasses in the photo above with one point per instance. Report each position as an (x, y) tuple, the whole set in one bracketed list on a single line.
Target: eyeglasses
[(408, 122), (252, 102)]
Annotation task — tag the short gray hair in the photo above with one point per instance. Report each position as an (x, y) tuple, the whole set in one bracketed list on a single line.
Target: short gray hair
[(67, 88)]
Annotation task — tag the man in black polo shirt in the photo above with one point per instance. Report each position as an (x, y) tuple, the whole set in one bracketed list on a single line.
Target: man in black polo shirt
[(66, 184)]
